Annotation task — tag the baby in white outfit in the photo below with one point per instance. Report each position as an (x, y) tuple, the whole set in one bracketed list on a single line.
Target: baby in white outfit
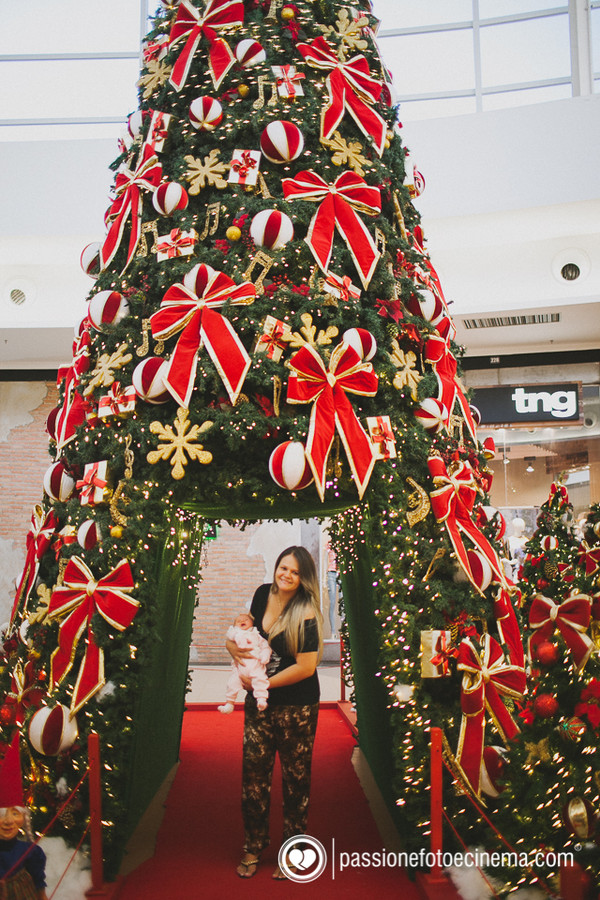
[(247, 637)]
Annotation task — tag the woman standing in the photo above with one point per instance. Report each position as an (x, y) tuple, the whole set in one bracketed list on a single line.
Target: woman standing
[(288, 614)]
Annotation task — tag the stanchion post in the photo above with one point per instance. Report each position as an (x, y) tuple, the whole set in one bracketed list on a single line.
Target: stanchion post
[(95, 785), (342, 682), (436, 800)]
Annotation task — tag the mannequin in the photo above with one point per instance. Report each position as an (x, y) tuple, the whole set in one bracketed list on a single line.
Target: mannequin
[(517, 545)]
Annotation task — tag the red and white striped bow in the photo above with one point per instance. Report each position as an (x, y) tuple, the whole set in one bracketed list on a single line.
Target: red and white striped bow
[(571, 618), (128, 202), (340, 203), (193, 312), (487, 679), (351, 88), (311, 382), (38, 540), (79, 599), (189, 24)]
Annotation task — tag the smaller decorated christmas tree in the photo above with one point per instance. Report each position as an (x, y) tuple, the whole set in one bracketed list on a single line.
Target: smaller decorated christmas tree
[(552, 789)]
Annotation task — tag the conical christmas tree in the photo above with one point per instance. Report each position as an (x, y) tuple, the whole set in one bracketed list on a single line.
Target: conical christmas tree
[(551, 790), (266, 338)]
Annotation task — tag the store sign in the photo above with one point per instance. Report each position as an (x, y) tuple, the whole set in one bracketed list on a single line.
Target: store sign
[(540, 404)]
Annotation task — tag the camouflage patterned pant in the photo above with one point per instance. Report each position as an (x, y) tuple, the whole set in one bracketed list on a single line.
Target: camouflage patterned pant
[(289, 731)]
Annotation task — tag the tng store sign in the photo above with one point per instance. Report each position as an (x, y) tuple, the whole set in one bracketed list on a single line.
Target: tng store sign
[(539, 404)]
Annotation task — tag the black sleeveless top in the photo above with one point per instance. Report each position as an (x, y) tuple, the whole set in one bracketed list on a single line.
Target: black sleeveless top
[(302, 692)]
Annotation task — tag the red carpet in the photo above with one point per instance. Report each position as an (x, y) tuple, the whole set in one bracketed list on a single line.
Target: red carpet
[(200, 839)]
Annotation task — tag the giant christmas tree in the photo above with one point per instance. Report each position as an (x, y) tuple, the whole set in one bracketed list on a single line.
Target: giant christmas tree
[(266, 337)]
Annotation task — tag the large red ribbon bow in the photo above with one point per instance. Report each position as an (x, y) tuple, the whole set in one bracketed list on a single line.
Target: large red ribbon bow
[(452, 502), (339, 205), (571, 618), (78, 600), (71, 414), (351, 88), (508, 626), (26, 691), (311, 382), (189, 24), (589, 557), (128, 202), (192, 310), (486, 680), (37, 542), (443, 362)]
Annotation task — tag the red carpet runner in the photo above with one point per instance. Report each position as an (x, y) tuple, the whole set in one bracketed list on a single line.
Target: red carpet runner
[(200, 838)]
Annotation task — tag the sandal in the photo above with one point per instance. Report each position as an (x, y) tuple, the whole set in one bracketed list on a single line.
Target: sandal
[(246, 864), (279, 874)]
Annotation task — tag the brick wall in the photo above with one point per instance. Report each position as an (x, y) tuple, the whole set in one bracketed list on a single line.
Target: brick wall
[(24, 458), (229, 578)]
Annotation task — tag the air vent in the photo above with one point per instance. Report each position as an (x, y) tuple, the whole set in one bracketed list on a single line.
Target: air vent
[(505, 321), (18, 296)]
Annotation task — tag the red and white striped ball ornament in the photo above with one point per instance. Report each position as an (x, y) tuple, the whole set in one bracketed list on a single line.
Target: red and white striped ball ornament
[(493, 766), (250, 53), (107, 308), (134, 122), (427, 305), (51, 422), (362, 341), (271, 229), (59, 484), (480, 569), (549, 542), (432, 414), (169, 197), (206, 113), (289, 467), (89, 534), (52, 730), (281, 142), (148, 382), (90, 259)]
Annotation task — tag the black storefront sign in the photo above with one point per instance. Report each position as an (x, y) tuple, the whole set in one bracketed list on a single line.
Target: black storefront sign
[(539, 404)]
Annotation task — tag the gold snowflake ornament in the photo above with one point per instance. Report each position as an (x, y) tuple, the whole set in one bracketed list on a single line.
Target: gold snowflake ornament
[(179, 443), (308, 334), (210, 171), (349, 32), (407, 375), (157, 74), (347, 154), (104, 375)]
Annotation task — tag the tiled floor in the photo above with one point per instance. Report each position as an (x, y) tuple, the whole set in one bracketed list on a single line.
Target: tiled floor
[(208, 684)]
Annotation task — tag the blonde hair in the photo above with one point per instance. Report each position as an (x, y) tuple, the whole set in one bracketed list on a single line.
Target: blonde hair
[(306, 600)]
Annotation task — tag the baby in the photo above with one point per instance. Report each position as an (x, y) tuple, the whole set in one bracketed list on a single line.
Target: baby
[(247, 637)]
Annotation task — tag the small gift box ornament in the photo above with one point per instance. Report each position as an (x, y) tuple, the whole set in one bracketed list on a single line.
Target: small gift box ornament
[(118, 403), (382, 437), (274, 337), (340, 287), (244, 167), (176, 243), (94, 486), (158, 130), (436, 652), (289, 81)]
